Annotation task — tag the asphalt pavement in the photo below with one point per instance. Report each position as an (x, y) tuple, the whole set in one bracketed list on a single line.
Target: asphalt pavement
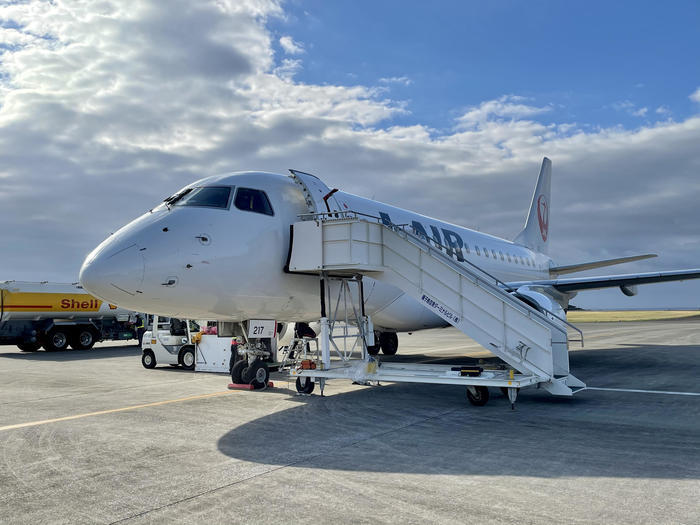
[(93, 437)]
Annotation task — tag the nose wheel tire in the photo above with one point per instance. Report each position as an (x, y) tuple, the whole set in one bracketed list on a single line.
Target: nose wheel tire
[(55, 340), (478, 395), (187, 358), (256, 374), (148, 360), (237, 371), (305, 385)]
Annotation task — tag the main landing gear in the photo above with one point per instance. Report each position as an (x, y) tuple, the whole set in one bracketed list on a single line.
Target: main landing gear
[(387, 342)]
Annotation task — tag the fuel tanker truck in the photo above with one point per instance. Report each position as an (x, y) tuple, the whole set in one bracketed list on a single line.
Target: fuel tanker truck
[(56, 315)]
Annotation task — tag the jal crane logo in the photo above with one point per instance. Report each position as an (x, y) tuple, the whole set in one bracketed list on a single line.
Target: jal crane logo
[(543, 216)]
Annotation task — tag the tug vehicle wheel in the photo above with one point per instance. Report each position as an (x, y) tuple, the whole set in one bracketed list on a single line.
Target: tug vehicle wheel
[(478, 395), (237, 371), (56, 339), (257, 374), (29, 347), (186, 358), (148, 360), (305, 385)]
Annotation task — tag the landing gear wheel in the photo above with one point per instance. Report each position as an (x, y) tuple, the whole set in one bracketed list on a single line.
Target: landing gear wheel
[(83, 339), (305, 385), (478, 395), (389, 342), (373, 350), (186, 358), (237, 371), (257, 374), (29, 347), (148, 360), (56, 339)]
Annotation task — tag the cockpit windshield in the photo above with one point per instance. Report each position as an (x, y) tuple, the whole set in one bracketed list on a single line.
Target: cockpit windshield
[(205, 196)]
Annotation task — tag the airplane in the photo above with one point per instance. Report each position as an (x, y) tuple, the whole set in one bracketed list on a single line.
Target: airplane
[(217, 249)]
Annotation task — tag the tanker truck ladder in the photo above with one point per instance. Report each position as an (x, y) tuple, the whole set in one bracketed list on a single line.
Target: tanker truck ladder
[(348, 245)]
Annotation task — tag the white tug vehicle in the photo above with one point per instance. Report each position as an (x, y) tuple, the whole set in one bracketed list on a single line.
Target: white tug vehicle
[(169, 341)]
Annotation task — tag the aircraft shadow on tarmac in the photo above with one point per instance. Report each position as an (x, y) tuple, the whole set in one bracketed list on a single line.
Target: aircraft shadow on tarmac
[(75, 355), (432, 429)]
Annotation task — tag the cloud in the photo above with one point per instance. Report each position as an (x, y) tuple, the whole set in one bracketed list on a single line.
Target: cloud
[(404, 80), (505, 107), (663, 110), (631, 108), (105, 109), (695, 96), (290, 46)]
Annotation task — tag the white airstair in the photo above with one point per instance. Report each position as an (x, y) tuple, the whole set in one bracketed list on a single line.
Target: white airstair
[(345, 244)]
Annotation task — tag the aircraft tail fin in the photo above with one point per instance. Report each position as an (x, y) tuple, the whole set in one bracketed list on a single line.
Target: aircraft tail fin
[(535, 234)]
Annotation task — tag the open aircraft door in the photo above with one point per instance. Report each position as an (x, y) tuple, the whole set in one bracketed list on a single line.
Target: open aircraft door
[(319, 197)]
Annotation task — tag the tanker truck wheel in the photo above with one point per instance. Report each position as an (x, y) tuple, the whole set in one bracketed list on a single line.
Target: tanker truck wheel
[(83, 339), (56, 339), (29, 347)]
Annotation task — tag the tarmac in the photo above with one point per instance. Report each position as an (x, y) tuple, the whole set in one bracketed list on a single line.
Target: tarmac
[(93, 437)]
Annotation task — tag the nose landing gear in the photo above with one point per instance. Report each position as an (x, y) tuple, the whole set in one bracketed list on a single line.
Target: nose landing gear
[(251, 367)]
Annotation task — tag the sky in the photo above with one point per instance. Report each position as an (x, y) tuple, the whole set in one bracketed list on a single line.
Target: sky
[(107, 107)]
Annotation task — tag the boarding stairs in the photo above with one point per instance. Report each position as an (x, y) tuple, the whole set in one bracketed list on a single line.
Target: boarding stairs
[(337, 243)]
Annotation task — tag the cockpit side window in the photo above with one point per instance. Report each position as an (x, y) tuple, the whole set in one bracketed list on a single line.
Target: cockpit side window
[(206, 196), (248, 199)]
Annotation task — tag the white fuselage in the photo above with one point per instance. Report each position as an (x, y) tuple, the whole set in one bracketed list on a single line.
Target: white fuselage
[(228, 263)]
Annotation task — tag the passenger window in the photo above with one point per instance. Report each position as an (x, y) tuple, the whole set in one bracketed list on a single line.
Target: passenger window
[(206, 196), (478, 252), (509, 259), (256, 201), (501, 254), (493, 252)]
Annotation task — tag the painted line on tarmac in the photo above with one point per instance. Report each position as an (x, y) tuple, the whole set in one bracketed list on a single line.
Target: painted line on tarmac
[(638, 391), (114, 410)]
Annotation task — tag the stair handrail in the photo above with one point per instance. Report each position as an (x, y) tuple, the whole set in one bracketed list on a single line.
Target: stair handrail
[(503, 289)]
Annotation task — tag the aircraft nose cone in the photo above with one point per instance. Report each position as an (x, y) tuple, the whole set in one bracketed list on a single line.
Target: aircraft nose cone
[(114, 275)]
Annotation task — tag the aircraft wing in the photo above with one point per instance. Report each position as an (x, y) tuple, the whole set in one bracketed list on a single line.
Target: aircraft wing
[(556, 271), (611, 281)]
